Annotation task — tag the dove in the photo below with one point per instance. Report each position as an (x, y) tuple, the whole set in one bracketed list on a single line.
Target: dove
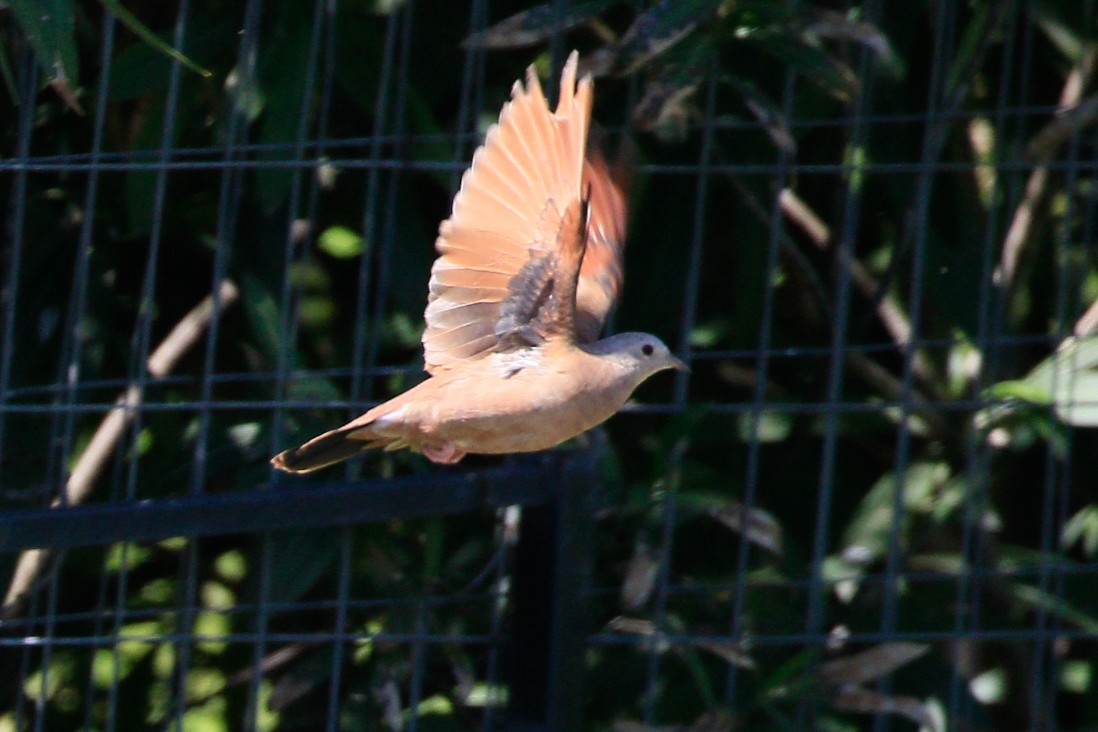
[(528, 270)]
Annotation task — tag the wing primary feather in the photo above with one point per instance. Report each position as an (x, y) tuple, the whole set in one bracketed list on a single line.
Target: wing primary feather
[(532, 247)]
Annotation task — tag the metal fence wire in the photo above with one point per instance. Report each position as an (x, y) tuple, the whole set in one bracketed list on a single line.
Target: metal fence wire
[(868, 226)]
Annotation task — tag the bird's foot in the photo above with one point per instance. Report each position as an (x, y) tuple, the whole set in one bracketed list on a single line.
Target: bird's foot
[(446, 454)]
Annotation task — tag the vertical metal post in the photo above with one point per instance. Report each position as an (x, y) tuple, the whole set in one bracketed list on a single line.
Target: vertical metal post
[(552, 571)]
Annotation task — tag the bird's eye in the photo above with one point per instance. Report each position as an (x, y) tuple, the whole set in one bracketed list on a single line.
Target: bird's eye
[(647, 349)]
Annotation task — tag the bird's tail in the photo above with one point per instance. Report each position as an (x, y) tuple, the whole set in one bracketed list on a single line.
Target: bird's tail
[(324, 450)]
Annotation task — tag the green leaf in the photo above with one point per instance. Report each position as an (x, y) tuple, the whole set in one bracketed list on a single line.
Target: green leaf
[(1077, 676), (1020, 390), (1066, 39), (536, 24), (773, 426), (1068, 379), (1055, 605), (263, 314), (661, 27), (1082, 528), (815, 64), (341, 242), (868, 534), (140, 184), (6, 73), (790, 678), (287, 97), (129, 20), (669, 104), (298, 558), (987, 24), (1077, 402), (50, 28), (709, 334), (142, 69)]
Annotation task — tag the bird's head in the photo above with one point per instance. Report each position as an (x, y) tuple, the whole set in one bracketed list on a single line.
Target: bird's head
[(638, 354)]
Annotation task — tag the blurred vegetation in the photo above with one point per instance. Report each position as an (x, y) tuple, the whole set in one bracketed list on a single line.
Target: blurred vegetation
[(932, 178)]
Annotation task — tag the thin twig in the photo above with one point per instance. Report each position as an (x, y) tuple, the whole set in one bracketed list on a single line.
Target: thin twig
[(1045, 146), (91, 462), (871, 372), (1088, 322), (891, 314), (271, 662)]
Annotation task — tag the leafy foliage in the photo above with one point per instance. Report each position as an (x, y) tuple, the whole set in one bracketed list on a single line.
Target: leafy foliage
[(890, 206)]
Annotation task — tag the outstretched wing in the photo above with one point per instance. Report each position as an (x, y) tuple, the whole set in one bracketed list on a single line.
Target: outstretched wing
[(519, 200)]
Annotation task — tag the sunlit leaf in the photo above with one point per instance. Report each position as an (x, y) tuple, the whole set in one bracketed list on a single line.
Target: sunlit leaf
[(212, 628), (231, 565), (341, 242), (1077, 676), (765, 427), (1063, 36), (990, 686), (483, 694), (1068, 380), (1082, 529), (109, 666)]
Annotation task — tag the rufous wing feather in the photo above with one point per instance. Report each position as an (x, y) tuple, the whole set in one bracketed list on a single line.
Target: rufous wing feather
[(525, 180), (600, 278)]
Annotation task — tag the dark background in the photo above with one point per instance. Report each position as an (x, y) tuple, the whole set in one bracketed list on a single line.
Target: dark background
[(305, 152)]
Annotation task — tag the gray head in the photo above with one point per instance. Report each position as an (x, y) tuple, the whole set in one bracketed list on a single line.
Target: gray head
[(640, 354)]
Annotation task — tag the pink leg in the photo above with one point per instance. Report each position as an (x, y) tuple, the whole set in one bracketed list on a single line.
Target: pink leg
[(447, 454)]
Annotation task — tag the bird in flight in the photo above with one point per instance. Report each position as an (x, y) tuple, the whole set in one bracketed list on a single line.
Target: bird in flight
[(529, 267)]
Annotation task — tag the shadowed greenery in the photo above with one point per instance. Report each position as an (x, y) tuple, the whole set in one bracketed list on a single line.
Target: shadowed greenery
[(926, 183)]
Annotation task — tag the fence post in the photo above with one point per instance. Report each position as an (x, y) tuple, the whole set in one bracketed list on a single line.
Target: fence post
[(552, 576)]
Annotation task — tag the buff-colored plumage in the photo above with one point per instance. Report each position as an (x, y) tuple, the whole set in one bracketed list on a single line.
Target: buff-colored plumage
[(529, 267)]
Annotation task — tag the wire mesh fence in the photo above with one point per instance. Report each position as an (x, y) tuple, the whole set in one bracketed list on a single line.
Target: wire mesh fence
[(869, 228)]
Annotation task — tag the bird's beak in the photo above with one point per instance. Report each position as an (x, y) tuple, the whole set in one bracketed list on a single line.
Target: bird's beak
[(679, 365)]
